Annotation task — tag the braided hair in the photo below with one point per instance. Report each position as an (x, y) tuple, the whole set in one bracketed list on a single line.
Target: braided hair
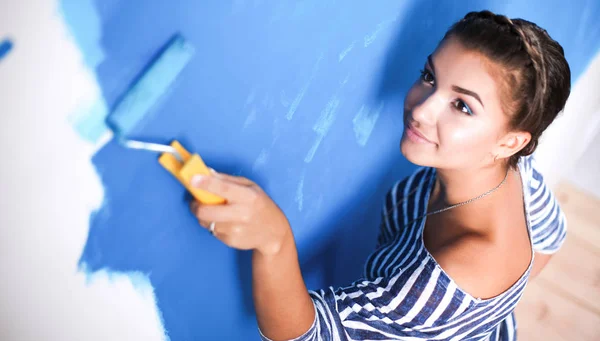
[(535, 76)]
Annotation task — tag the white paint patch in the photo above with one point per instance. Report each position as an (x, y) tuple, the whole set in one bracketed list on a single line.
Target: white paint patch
[(323, 125), (300, 193), (250, 118), (345, 81), (346, 51), (276, 131), (250, 98), (296, 102), (327, 117), (370, 38), (364, 122), (261, 159), (49, 190), (313, 150), (302, 92)]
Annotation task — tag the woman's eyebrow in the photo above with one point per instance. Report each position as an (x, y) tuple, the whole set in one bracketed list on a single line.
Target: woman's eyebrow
[(457, 88), (468, 92)]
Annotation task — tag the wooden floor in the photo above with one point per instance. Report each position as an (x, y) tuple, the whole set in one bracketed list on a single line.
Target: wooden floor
[(563, 302)]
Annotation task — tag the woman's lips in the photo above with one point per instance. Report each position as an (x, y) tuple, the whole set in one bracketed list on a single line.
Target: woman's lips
[(415, 135)]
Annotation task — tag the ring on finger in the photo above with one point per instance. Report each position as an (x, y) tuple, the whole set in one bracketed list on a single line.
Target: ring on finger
[(211, 228)]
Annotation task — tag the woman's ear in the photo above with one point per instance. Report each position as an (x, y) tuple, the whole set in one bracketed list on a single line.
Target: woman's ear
[(512, 143)]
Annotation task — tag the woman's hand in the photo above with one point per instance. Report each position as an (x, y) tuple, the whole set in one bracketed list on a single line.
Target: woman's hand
[(249, 220)]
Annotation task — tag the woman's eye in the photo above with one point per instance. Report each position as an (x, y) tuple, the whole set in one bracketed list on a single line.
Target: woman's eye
[(463, 107), (427, 77)]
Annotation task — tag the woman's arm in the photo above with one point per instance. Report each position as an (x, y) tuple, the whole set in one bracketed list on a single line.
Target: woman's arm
[(284, 309), (250, 220)]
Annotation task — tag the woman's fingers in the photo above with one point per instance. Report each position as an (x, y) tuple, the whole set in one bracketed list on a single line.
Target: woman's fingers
[(204, 223), (240, 180), (231, 191), (216, 213)]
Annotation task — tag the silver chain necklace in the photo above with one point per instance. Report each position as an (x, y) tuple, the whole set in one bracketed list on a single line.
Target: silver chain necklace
[(449, 207)]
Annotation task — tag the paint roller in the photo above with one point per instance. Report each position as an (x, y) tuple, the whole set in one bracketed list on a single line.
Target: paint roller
[(137, 102)]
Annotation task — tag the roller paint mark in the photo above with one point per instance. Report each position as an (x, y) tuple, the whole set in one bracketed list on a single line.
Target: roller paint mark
[(370, 38), (251, 118), (251, 97), (313, 150), (346, 51), (364, 122), (345, 80), (327, 117), (323, 125), (300, 194), (296, 102), (261, 159), (276, 131), (302, 92), (5, 47)]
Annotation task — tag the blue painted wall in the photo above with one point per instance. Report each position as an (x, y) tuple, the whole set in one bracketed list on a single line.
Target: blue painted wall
[(305, 98)]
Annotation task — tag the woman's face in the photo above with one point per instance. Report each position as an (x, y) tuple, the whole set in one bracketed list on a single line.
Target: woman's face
[(453, 116)]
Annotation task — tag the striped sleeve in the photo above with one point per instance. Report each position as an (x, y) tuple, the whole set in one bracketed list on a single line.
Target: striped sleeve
[(547, 220), (386, 228), (402, 190), (400, 307)]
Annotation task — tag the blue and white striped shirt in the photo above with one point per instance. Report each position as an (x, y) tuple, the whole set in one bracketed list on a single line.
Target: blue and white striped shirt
[(405, 295)]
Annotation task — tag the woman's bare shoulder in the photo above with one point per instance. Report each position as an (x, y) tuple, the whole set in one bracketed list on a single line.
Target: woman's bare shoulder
[(481, 266)]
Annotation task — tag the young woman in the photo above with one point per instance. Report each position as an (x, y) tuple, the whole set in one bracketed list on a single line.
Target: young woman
[(460, 237)]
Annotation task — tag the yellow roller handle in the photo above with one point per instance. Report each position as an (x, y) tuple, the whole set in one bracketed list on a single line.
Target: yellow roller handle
[(192, 165)]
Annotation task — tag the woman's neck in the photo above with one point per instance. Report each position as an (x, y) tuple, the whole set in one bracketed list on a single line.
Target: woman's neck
[(456, 186)]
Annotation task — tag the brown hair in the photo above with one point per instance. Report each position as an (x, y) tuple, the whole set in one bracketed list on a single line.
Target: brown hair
[(536, 76)]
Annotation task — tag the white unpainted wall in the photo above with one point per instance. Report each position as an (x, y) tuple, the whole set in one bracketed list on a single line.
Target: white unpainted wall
[(570, 148), (586, 173), (48, 188)]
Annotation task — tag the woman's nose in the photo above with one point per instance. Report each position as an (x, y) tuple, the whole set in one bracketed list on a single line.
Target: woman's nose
[(428, 108)]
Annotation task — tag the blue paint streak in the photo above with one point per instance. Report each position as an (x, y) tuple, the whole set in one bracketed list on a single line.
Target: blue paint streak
[(5, 47), (91, 125), (86, 27)]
